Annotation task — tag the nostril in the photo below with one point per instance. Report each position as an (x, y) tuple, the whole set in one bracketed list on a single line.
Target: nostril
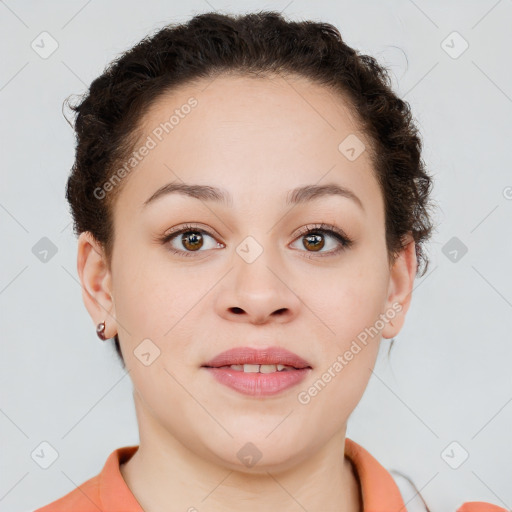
[(237, 310)]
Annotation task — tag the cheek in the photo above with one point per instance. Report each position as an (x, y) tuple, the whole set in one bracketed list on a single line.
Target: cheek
[(349, 349), (145, 298), (356, 338), (351, 302), (156, 304)]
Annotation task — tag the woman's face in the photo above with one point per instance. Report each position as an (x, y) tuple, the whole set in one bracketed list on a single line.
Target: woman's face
[(247, 273)]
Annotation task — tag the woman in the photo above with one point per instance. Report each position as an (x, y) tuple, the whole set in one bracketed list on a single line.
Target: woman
[(251, 206)]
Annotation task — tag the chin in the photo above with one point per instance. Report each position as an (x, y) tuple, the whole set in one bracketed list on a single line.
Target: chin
[(255, 453)]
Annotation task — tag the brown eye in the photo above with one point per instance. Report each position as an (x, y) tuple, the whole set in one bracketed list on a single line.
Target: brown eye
[(193, 241), (313, 241)]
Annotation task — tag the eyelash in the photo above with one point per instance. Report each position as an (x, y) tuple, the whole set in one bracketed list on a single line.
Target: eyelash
[(324, 228)]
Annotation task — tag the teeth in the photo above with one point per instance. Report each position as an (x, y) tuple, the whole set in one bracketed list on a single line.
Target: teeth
[(267, 368), (261, 368)]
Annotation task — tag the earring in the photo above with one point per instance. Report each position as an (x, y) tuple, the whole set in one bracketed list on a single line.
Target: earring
[(100, 331)]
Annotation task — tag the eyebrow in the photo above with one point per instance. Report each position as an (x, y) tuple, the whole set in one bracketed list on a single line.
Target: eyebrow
[(298, 195)]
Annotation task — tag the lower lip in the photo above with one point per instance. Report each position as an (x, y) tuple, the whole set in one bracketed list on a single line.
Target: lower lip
[(259, 384)]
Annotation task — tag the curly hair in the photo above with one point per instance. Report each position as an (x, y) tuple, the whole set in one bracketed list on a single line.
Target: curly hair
[(109, 117)]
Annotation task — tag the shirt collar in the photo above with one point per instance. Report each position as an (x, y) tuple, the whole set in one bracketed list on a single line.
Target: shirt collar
[(114, 493), (379, 490)]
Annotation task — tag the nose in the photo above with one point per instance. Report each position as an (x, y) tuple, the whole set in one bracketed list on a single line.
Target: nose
[(259, 292)]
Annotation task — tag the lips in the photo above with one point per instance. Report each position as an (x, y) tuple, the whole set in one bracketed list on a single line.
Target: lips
[(248, 355), (258, 381)]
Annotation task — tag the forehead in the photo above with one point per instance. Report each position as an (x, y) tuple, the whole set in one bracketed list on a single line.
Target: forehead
[(256, 137), (228, 102)]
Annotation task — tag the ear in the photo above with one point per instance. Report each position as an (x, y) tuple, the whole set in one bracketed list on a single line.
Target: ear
[(403, 273), (96, 280)]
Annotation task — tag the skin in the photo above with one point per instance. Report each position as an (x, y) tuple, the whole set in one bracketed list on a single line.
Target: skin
[(256, 138)]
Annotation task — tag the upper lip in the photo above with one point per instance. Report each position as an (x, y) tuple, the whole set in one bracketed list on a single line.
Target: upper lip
[(248, 355)]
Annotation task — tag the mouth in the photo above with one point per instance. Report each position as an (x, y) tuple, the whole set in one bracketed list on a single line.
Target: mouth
[(258, 368), (258, 373)]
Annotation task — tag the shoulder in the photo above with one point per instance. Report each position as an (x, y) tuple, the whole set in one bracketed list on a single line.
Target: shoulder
[(415, 502), (480, 506), (104, 492), (384, 489)]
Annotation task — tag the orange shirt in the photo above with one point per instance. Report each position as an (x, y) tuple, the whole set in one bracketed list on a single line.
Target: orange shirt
[(108, 492)]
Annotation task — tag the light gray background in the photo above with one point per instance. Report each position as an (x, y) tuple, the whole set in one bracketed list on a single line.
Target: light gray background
[(449, 376)]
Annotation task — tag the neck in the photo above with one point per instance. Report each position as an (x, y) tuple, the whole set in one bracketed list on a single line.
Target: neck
[(166, 475)]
